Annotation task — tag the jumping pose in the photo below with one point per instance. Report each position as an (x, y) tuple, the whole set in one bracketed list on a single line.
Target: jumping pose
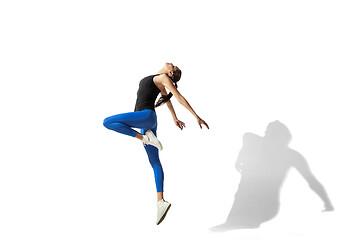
[(144, 118)]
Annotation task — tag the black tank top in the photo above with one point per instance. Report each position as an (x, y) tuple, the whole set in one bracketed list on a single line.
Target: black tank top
[(147, 93)]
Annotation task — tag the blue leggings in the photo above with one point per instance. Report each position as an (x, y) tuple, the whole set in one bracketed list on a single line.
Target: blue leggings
[(145, 119)]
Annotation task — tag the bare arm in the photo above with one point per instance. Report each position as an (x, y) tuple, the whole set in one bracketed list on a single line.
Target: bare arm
[(177, 122), (169, 85), (171, 109), (169, 105)]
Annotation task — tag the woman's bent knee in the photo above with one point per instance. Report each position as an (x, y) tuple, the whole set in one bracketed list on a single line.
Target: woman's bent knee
[(107, 123)]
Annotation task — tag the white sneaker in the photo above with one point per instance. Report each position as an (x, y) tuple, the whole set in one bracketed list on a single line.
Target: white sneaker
[(163, 207), (150, 139)]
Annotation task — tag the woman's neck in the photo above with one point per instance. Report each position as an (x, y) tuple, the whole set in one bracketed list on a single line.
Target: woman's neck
[(161, 71)]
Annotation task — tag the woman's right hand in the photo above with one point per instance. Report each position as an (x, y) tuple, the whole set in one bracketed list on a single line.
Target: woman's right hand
[(200, 121)]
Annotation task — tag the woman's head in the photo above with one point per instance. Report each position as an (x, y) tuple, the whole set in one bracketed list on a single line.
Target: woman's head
[(173, 72)]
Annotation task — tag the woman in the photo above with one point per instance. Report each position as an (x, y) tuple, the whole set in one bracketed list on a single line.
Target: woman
[(144, 117)]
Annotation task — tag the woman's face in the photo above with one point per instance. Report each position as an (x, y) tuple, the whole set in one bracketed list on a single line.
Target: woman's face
[(170, 68)]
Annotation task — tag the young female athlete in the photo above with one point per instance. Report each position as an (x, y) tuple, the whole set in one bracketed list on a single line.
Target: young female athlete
[(144, 118)]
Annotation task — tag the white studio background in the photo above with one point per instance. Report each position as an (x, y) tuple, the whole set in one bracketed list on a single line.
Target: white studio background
[(66, 65)]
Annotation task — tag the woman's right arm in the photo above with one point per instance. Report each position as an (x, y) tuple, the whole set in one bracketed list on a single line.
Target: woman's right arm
[(169, 85)]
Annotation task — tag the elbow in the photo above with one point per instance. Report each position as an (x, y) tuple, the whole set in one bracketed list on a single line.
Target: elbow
[(181, 100)]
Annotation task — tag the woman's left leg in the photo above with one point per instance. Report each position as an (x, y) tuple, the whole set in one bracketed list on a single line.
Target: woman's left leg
[(153, 154)]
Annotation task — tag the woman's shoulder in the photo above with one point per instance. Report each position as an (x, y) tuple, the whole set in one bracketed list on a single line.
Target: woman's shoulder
[(150, 77), (161, 77), (158, 80)]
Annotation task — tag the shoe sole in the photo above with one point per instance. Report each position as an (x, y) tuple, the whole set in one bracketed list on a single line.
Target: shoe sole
[(152, 135), (164, 215)]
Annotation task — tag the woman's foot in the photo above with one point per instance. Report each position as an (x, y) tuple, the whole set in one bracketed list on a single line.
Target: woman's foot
[(150, 139), (163, 207)]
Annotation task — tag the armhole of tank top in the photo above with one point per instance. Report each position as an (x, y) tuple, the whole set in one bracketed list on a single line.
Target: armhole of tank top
[(154, 81)]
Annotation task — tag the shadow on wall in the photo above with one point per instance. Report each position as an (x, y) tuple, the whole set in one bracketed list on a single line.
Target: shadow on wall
[(263, 163)]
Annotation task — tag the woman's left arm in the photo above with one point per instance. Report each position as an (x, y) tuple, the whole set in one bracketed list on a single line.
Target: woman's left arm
[(177, 122)]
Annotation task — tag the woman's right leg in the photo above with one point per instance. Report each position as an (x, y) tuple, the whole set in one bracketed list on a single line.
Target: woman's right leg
[(124, 122)]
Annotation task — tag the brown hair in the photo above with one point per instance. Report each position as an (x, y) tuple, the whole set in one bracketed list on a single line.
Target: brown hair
[(174, 78)]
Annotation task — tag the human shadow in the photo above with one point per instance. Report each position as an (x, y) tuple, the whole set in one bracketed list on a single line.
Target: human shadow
[(263, 163)]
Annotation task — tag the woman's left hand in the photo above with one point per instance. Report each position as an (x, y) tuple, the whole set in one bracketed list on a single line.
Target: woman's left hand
[(179, 124)]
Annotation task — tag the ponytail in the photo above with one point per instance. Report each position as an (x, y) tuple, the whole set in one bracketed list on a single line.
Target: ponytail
[(164, 98)]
